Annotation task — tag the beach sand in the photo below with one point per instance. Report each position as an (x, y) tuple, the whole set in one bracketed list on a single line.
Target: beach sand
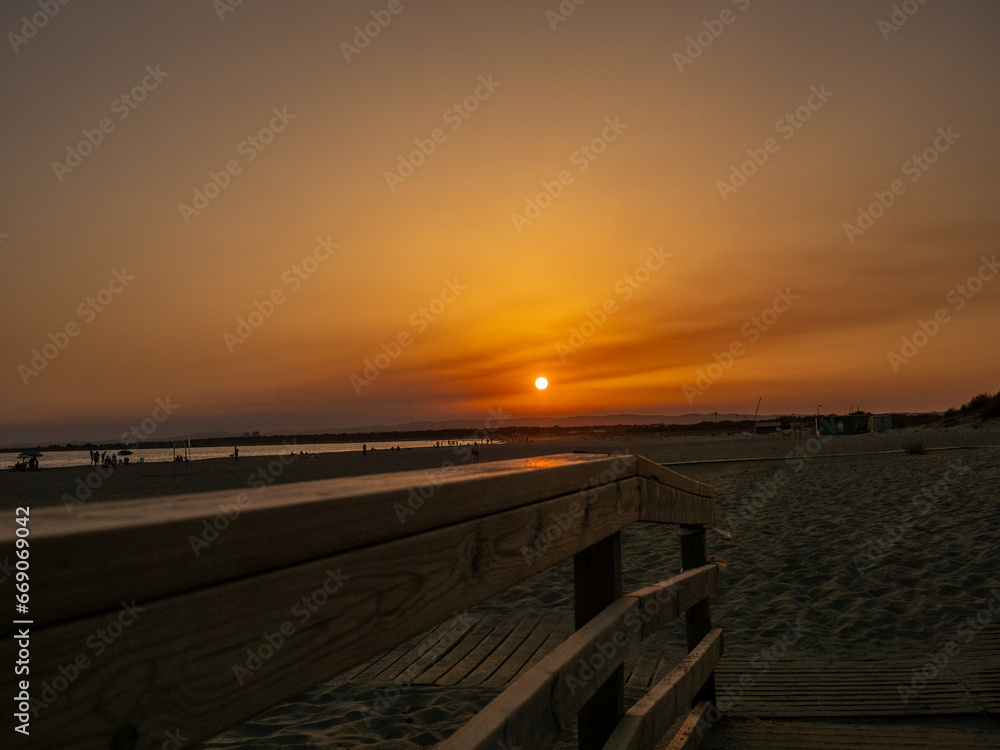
[(820, 541), (72, 485)]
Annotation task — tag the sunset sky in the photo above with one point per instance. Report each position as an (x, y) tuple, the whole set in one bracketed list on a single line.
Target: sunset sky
[(662, 208)]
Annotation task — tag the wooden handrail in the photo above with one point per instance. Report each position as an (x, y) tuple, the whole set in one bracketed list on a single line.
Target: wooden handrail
[(650, 718), (301, 582), (532, 711), (155, 547)]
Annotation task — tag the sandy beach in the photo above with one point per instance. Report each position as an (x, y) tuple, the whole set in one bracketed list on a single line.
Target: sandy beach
[(83, 484), (870, 554)]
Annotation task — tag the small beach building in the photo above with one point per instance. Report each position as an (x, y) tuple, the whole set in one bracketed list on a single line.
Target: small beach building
[(847, 425), (879, 423), (855, 424)]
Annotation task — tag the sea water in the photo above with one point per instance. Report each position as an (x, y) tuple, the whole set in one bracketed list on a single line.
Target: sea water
[(55, 459)]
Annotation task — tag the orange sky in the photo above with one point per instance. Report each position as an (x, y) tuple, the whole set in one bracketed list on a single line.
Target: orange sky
[(408, 192)]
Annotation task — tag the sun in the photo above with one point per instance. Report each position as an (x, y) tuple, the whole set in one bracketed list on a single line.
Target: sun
[(541, 384)]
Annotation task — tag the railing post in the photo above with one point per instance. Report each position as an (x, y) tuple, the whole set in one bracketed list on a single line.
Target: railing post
[(597, 582), (694, 554)]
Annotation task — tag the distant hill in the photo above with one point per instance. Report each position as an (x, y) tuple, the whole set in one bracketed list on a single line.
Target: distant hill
[(984, 406), (578, 421)]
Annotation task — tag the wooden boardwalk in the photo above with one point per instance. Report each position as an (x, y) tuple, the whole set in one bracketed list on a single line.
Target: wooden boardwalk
[(372, 566), (493, 650), (963, 733)]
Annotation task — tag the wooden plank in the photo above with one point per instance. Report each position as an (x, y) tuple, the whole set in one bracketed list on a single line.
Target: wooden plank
[(669, 505), (845, 689), (160, 545), (642, 672), (551, 643), (380, 664), (174, 667), (543, 699), (692, 731), (429, 649), (527, 651), (473, 638), (645, 724), (698, 617), (533, 711), (503, 652), (597, 583), (950, 734), (669, 478), (981, 675), (663, 666), (471, 661), (352, 674), (665, 601)]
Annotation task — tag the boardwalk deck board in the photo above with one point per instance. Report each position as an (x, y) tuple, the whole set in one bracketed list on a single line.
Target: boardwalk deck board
[(493, 653), (663, 666), (527, 651), (504, 651), (552, 640), (470, 640), (642, 672), (948, 734), (460, 673), (411, 657)]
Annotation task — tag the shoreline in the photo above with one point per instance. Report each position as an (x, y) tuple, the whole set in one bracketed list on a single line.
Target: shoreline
[(69, 485)]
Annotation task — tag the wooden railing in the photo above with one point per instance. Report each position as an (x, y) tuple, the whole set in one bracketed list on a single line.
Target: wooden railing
[(179, 617)]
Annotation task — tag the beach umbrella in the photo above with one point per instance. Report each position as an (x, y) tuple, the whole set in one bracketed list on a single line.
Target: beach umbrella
[(30, 454), (125, 453)]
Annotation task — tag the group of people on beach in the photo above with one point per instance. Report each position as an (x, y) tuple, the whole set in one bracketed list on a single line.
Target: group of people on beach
[(30, 465), (364, 449), (97, 458)]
